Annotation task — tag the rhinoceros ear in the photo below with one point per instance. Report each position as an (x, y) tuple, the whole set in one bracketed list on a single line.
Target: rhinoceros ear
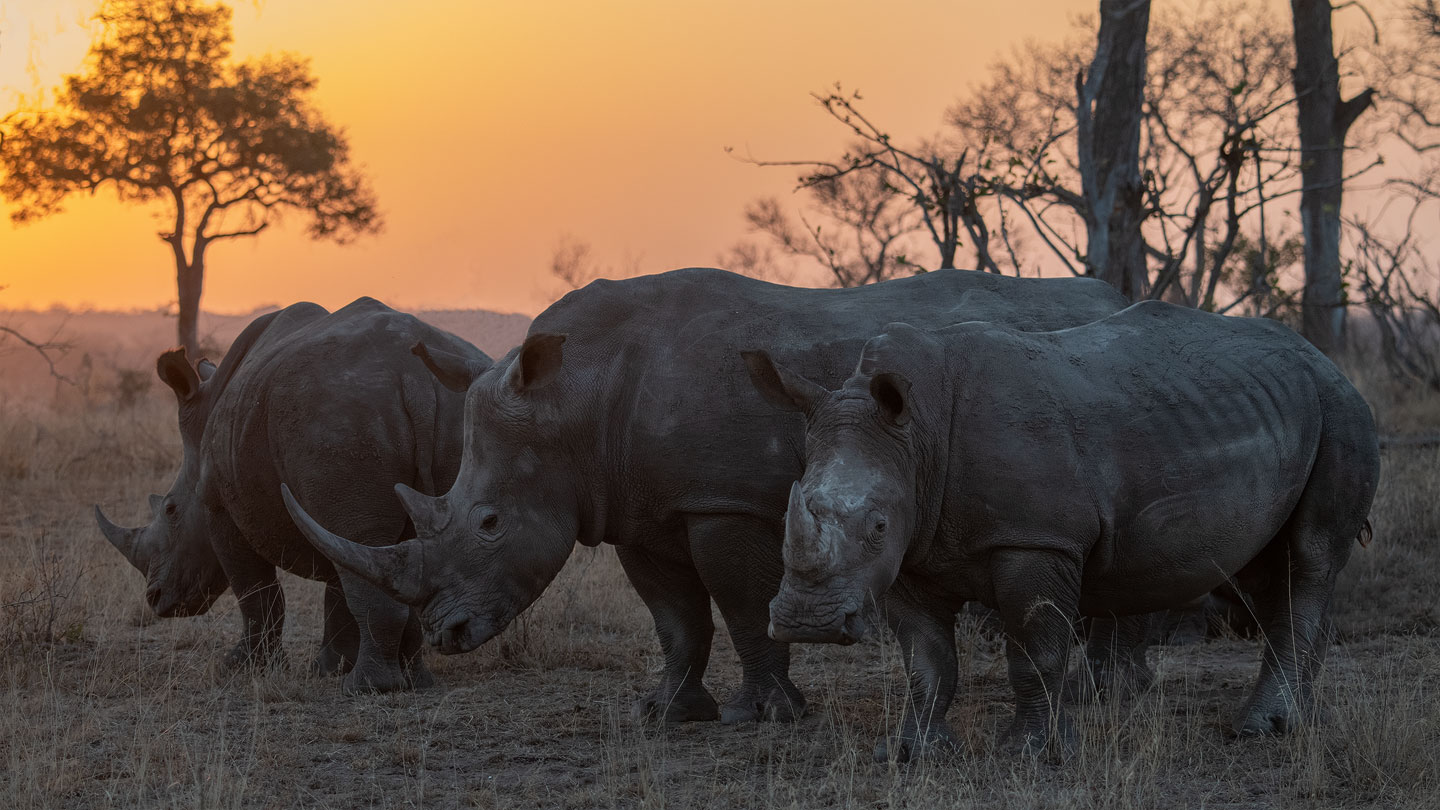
[(780, 386), (205, 369), (174, 370), (454, 371), (891, 393), (537, 363)]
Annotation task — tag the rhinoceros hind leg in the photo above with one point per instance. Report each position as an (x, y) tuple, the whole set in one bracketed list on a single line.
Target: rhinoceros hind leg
[(680, 606), (1115, 661), (1293, 607), (738, 558), (341, 643)]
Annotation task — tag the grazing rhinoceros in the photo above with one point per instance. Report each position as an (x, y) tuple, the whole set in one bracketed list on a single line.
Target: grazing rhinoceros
[(336, 405), (646, 433), (1122, 467)]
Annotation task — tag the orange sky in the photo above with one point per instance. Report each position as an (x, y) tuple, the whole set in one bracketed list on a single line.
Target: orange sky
[(491, 128)]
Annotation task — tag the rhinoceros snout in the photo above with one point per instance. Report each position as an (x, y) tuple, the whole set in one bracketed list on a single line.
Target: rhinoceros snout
[(848, 630), (457, 636)]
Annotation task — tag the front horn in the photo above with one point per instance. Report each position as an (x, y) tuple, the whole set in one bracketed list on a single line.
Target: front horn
[(398, 570), (124, 540)]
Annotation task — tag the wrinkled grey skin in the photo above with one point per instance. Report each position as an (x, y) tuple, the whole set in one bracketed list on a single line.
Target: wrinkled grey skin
[(336, 405), (627, 418), (1126, 466)]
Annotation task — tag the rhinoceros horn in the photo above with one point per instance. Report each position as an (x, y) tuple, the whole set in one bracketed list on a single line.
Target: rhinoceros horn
[(802, 534), (398, 570), (424, 511), (126, 540)]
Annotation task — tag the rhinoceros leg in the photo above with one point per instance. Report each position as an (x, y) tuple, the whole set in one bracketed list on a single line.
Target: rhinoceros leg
[(1293, 606), (1037, 594), (340, 645), (927, 642), (1115, 660), (681, 607), (385, 661), (262, 608), (738, 558)]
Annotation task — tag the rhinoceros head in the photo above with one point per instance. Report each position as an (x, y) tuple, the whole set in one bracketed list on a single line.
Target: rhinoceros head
[(851, 516), (487, 548), (182, 574)]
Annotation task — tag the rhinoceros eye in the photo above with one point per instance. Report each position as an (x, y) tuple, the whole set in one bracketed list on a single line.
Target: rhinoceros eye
[(875, 527), (484, 522), (170, 509)]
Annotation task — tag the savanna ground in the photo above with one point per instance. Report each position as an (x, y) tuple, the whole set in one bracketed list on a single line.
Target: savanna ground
[(102, 705)]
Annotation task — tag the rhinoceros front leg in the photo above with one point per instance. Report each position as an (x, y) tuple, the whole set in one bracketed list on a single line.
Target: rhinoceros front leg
[(339, 647), (738, 558), (262, 608), (927, 642), (1115, 660), (1037, 594), (680, 606)]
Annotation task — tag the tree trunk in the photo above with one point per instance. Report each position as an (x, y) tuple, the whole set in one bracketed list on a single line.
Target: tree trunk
[(1324, 121), (189, 281), (1111, 100)]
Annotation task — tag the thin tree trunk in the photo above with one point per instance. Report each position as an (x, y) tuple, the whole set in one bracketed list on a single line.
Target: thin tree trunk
[(1108, 126), (189, 282), (1324, 121)]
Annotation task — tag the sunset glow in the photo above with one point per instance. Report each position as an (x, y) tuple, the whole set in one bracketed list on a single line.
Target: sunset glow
[(492, 129)]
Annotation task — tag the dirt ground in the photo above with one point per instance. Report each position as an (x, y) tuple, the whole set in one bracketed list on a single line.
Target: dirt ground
[(102, 705)]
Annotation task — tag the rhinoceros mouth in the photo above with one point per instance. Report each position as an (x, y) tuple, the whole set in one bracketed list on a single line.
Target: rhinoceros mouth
[(169, 606), (845, 629), (462, 634)]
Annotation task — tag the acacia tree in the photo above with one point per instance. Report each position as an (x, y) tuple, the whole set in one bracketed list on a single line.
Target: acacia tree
[(161, 114)]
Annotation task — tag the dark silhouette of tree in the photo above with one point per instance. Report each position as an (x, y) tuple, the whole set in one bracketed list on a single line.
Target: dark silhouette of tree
[(1325, 119), (1217, 144), (162, 115)]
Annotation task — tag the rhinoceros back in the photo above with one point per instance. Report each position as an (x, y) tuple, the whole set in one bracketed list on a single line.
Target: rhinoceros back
[(656, 361)]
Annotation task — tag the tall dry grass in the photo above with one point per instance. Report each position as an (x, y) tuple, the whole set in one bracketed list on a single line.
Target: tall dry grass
[(103, 706)]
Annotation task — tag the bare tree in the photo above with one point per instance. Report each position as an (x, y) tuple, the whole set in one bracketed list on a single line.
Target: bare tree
[(1405, 313), (1325, 120), (1108, 120), (942, 186), (573, 261)]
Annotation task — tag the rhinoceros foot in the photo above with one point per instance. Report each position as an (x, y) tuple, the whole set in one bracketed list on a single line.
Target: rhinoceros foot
[(780, 702), (1100, 683), (330, 662), (418, 674), (246, 656), (676, 705), (938, 742), (1276, 714), (371, 677), (1040, 736)]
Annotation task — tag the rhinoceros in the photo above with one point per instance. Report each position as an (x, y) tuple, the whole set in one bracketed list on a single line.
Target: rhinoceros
[(1118, 468), (644, 432), (336, 405)]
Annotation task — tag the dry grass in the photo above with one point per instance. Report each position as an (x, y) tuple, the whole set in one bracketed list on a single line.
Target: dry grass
[(104, 706)]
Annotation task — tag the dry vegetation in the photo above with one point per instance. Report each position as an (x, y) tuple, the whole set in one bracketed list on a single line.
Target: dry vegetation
[(102, 705)]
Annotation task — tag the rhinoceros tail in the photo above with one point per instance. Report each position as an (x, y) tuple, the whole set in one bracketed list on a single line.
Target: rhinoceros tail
[(1366, 535)]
